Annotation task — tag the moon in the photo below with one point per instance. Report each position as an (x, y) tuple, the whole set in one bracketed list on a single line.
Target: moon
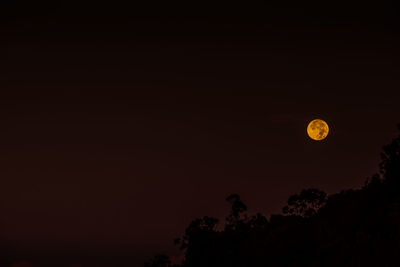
[(317, 130)]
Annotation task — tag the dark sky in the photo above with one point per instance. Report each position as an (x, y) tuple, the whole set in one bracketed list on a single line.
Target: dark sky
[(121, 125)]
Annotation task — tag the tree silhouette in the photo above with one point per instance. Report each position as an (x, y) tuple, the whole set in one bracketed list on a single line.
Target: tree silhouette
[(159, 260), (234, 219), (305, 204), (390, 164), (355, 227), (197, 228)]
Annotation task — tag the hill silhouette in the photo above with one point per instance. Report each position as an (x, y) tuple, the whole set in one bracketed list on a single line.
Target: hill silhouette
[(355, 227)]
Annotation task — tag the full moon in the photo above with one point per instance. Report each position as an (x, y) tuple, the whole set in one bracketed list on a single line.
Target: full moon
[(317, 130)]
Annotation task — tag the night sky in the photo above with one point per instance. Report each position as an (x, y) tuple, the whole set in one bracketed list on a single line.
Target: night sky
[(121, 125)]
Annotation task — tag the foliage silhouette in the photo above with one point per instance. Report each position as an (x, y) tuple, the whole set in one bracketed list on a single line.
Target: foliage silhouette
[(234, 219), (355, 227), (159, 261), (305, 204)]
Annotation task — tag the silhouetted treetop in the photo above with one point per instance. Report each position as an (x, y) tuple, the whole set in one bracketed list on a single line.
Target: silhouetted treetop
[(159, 261), (390, 164), (237, 209), (305, 204)]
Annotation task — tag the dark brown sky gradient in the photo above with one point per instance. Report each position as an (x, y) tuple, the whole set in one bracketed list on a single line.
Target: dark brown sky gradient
[(117, 129)]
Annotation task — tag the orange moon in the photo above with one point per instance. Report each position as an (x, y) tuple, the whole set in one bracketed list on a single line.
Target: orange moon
[(317, 130)]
